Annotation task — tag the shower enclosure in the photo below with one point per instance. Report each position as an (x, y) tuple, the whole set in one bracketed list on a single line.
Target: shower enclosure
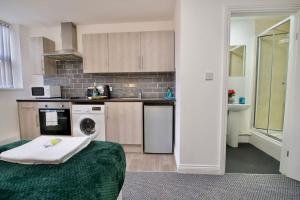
[(271, 76)]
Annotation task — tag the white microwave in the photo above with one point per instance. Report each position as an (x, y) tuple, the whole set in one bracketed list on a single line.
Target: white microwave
[(46, 91)]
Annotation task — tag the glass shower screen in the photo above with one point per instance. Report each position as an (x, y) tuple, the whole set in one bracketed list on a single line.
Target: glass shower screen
[(272, 65)]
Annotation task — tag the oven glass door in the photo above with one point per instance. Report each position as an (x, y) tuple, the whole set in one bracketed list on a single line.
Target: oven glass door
[(55, 121)]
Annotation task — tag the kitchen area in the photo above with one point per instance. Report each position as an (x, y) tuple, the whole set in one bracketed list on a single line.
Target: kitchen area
[(121, 88)]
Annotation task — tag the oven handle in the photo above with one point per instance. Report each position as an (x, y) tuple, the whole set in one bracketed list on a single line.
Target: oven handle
[(48, 110)]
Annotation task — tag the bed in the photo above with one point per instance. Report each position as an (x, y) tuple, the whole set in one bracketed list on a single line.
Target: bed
[(97, 172)]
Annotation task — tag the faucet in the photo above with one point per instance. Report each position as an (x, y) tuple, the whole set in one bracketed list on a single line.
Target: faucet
[(139, 93)]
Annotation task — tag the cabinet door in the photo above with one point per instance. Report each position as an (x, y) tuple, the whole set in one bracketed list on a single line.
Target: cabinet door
[(28, 120), (124, 52), (95, 53), (42, 65), (157, 51), (49, 65), (124, 122)]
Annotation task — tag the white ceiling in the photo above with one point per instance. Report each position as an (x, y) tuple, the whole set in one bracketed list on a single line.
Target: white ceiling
[(35, 13)]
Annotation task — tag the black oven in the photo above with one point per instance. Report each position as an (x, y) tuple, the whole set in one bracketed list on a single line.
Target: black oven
[(55, 118)]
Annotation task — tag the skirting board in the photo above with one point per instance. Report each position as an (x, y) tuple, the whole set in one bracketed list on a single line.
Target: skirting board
[(269, 145), (9, 140), (244, 138), (198, 169)]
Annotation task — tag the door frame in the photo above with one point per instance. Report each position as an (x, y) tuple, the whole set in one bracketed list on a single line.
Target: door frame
[(228, 12)]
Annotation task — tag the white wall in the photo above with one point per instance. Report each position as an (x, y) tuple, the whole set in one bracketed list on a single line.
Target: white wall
[(9, 125), (242, 32), (199, 100), (53, 33), (201, 124), (177, 27)]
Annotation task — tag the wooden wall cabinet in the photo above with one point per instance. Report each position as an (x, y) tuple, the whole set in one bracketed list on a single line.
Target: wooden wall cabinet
[(124, 122), (95, 53), (157, 51), (124, 52), (151, 51), (28, 120), (42, 65)]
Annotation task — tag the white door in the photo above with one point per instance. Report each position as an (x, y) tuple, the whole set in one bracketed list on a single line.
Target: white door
[(290, 155)]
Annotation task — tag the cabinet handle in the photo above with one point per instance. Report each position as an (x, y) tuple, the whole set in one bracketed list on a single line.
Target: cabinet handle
[(142, 61), (106, 113), (27, 107), (37, 120)]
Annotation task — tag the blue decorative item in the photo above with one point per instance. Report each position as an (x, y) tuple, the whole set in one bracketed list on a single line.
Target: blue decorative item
[(169, 94), (242, 100)]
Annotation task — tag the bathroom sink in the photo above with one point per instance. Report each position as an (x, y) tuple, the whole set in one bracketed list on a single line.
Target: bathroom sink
[(233, 126), (238, 107)]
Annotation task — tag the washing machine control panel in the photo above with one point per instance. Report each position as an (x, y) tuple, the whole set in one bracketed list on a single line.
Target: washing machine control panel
[(97, 109)]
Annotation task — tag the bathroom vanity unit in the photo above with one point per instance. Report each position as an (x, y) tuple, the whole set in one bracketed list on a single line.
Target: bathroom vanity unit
[(233, 123)]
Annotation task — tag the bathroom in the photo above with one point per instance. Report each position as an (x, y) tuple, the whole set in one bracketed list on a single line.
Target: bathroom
[(258, 66)]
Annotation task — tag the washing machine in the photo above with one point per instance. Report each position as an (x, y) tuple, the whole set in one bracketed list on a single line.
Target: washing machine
[(89, 120)]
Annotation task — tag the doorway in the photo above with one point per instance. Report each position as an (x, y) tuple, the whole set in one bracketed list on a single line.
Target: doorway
[(256, 92)]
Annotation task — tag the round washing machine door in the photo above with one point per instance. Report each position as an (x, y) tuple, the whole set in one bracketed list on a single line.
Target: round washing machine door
[(88, 127)]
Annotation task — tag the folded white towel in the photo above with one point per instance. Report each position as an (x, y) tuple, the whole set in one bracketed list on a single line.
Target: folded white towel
[(51, 118), (35, 152)]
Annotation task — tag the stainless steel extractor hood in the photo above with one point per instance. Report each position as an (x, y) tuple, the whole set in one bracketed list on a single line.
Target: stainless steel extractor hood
[(69, 44)]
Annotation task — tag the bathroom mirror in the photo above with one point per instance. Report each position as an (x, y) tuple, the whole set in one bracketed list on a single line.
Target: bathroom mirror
[(237, 60)]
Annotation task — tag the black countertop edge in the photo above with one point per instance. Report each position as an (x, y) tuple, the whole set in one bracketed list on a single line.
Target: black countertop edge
[(88, 101)]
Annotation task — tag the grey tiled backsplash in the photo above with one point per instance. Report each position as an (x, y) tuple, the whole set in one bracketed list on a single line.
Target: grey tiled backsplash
[(74, 82)]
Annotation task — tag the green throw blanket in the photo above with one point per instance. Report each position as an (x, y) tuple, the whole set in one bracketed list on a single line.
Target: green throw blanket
[(97, 172)]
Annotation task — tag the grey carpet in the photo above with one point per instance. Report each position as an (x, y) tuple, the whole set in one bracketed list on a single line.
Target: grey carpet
[(249, 159), (173, 186)]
